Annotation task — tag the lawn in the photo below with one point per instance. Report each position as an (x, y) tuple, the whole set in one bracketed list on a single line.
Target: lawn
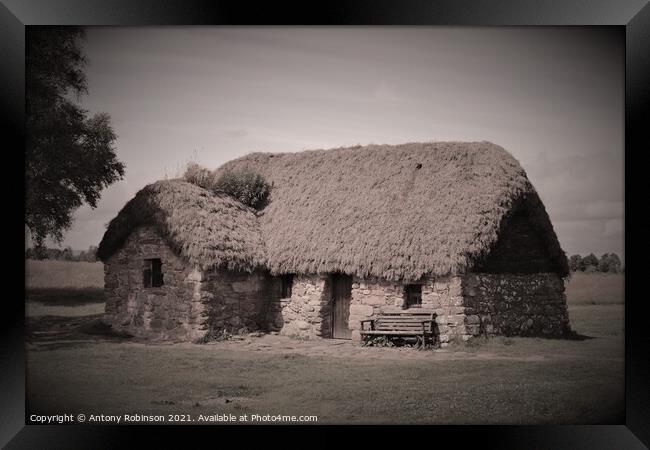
[(110, 378), (595, 288), (502, 380), (63, 274), (65, 288)]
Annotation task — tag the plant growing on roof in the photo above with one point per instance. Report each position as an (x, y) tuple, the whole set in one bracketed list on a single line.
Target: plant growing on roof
[(246, 186), (199, 175)]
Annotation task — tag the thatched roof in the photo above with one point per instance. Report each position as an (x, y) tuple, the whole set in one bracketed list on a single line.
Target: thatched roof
[(209, 230), (396, 212)]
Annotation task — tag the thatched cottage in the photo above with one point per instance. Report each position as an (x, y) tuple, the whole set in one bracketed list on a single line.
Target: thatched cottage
[(347, 233)]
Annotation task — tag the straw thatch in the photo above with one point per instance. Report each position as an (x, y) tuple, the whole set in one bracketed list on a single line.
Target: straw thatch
[(209, 230), (395, 212)]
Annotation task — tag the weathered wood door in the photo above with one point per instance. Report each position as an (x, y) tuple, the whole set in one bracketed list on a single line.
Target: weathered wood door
[(341, 294)]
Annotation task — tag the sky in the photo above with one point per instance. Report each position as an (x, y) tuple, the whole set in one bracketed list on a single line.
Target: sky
[(551, 96)]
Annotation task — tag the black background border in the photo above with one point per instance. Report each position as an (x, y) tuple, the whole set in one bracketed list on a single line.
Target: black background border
[(633, 15)]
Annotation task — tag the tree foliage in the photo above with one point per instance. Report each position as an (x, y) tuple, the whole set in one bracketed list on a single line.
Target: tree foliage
[(603, 263), (575, 263), (608, 263), (66, 254), (590, 263), (69, 157)]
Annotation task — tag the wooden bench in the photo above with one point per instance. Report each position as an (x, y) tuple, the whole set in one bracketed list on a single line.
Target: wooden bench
[(415, 322)]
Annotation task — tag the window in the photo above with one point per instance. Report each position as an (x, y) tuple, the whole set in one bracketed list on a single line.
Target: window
[(152, 275), (412, 295), (287, 282)]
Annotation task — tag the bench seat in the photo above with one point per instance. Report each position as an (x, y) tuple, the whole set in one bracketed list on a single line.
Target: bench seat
[(416, 322)]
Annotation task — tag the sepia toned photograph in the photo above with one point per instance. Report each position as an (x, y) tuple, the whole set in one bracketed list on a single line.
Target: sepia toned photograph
[(325, 225)]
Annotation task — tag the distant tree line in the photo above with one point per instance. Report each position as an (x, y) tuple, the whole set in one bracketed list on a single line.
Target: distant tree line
[(608, 262), (66, 254)]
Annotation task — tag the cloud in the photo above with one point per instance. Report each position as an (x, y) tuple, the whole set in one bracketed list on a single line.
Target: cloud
[(584, 196)]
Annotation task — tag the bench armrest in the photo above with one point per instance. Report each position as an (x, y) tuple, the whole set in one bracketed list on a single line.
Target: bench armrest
[(372, 323), (431, 321)]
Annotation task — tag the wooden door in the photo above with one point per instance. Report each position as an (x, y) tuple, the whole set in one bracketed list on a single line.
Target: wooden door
[(341, 294)]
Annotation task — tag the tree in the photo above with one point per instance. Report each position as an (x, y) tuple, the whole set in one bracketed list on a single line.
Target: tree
[(70, 157), (614, 263), (603, 264), (90, 255), (590, 263), (66, 254), (574, 262)]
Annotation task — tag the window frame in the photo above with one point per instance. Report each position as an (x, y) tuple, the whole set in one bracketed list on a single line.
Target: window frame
[(409, 294), (152, 273)]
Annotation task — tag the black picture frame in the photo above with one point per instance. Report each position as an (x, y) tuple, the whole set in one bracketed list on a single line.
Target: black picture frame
[(633, 15)]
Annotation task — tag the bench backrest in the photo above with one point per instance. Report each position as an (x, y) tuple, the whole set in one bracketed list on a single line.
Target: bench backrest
[(406, 320)]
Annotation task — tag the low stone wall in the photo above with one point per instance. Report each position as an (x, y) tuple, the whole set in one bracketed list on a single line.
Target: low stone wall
[(165, 312), (515, 304)]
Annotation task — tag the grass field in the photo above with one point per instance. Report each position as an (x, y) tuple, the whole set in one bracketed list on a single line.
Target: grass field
[(595, 289), (63, 274), (64, 288), (502, 380)]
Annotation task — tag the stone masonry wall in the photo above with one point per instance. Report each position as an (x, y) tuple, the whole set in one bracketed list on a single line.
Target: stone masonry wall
[(515, 304), (234, 301), (190, 302), (307, 314), (444, 295), (164, 312)]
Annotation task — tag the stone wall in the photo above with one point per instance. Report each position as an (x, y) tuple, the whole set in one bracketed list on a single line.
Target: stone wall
[(515, 304), (307, 314), (467, 306), (235, 301), (370, 297), (190, 302), (444, 295), (166, 312)]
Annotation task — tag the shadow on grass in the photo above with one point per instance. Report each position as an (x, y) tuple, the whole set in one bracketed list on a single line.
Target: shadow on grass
[(65, 296), (99, 328), (54, 332), (575, 336)]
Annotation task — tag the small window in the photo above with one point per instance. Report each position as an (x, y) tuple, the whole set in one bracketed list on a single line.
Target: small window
[(152, 275), (412, 295), (287, 283)]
